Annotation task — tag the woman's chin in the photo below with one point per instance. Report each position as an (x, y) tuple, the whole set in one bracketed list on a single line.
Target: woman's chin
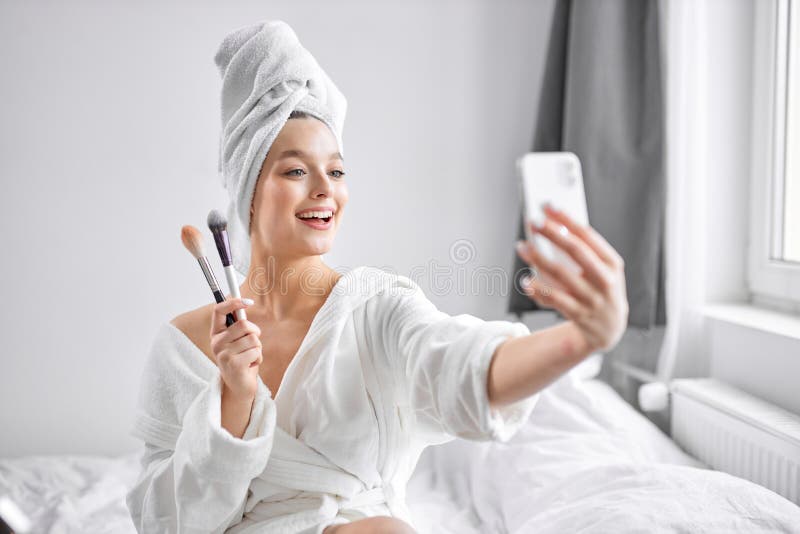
[(318, 247)]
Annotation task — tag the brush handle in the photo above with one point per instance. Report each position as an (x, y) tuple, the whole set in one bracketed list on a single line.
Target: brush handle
[(233, 286), (219, 297), (212, 283)]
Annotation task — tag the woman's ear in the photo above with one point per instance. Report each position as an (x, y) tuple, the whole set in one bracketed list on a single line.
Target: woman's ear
[(252, 213)]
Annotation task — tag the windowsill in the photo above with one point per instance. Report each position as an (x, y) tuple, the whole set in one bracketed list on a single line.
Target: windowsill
[(755, 349), (751, 316)]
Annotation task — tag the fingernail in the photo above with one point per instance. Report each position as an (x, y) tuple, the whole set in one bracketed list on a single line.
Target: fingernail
[(248, 302), (537, 222), (520, 246), (526, 281)]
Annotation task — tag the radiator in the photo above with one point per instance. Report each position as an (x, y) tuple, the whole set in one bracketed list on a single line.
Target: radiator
[(732, 431)]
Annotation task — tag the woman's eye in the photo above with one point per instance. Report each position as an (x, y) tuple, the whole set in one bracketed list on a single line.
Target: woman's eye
[(300, 172)]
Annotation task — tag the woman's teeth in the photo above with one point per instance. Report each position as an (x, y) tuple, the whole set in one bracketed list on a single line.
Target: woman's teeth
[(324, 215)]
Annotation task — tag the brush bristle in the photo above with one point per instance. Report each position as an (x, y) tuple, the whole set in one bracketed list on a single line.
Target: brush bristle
[(216, 221), (193, 241)]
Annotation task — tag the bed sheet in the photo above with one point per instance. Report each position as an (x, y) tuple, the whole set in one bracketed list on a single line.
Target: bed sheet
[(72, 494), (585, 462)]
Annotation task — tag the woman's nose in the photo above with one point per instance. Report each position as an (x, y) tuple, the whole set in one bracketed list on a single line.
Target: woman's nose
[(322, 186)]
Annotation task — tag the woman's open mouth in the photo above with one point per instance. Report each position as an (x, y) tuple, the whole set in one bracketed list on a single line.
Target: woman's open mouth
[(319, 220)]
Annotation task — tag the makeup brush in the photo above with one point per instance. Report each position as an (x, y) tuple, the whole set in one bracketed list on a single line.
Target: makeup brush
[(219, 228), (193, 241)]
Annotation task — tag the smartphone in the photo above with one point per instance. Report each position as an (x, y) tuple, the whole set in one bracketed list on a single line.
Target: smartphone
[(555, 178)]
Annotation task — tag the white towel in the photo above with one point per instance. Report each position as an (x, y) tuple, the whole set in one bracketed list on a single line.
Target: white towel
[(266, 74)]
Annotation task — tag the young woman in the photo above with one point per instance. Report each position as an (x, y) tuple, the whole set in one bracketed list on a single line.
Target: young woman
[(310, 415)]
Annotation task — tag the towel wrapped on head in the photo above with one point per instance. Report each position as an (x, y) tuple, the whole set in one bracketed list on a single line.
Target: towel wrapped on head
[(266, 74)]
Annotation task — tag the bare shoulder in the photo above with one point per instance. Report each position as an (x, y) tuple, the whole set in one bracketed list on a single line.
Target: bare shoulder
[(196, 325)]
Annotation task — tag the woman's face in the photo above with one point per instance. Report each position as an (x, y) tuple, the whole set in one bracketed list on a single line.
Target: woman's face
[(303, 171)]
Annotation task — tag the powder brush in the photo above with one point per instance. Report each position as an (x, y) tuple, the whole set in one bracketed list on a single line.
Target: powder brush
[(193, 241)]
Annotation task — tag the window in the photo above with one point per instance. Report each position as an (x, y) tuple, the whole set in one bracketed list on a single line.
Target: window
[(774, 246), (790, 246)]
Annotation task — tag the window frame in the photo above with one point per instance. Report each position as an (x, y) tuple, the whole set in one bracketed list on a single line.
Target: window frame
[(771, 282)]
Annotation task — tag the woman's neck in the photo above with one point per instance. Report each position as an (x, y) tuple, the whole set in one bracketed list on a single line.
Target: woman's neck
[(284, 288)]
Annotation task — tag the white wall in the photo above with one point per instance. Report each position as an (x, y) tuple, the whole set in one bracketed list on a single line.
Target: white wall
[(108, 145)]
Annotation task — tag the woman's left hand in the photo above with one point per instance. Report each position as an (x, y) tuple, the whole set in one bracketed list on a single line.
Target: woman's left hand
[(595, 299)]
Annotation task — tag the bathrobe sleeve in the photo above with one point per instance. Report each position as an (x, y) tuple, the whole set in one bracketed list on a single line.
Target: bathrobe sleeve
[(442, 363), (195, 475)]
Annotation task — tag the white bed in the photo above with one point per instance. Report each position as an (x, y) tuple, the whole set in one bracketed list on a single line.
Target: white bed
[(585, 462)]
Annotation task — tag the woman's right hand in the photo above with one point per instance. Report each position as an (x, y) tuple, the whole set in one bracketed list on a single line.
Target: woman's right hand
[(237, 350)]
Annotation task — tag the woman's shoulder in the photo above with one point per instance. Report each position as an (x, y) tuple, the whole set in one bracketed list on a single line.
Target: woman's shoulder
[(378, 281), (196, 326), (174, 373), (390, 295)]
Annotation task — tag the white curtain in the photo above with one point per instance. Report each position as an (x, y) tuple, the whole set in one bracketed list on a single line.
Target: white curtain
[(687, 94)]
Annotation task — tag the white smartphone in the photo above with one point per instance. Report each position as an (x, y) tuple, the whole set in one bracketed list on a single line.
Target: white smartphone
[(555, 178)]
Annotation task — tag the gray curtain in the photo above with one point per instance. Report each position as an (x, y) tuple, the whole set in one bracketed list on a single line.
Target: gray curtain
[(602, 99)]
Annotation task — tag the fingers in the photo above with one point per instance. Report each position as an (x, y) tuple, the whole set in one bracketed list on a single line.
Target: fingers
[(242, 337), (593, 268), (589, 235), (548, 296), (562, 275), (221, 309), (245, 343), (234, 332), (250, 357)]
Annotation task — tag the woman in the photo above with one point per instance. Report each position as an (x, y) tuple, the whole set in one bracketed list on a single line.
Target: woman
[(310, 415)]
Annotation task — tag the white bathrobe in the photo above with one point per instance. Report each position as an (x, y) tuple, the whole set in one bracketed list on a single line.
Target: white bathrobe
[(381, 374)]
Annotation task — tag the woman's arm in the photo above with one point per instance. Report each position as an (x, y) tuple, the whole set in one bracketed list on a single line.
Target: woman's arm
[(524, 365), (594, 301), (439, 365), (235, 412)]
